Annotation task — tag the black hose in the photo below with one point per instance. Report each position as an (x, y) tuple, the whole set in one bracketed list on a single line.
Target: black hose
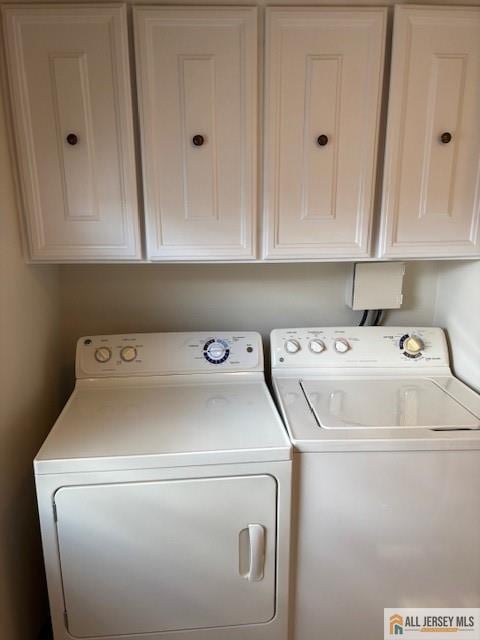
[(364, 318)]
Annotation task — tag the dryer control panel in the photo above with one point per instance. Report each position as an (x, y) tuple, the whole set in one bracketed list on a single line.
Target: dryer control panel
[(154, 354), (325, 347)]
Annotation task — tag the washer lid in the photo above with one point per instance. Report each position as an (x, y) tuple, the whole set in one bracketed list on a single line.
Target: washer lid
[(385, 403)]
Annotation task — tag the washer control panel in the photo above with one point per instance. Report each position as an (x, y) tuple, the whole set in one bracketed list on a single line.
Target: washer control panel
[(146, 354), (358, 347)]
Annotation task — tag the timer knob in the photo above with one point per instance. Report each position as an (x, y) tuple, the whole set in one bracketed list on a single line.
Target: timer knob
[(103, 354), (342, 345), (292, 346), (316, 346), (413, 344), (216, 350), (128, 354)]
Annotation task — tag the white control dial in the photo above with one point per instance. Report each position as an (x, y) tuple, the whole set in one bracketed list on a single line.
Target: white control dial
[(316, 346), (292, 346), (103, 354), (342, 345), (216, 350), (128, 354), (413, 345)]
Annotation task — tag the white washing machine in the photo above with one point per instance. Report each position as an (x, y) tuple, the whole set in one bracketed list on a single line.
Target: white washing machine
[(386, 476), (164, 493)]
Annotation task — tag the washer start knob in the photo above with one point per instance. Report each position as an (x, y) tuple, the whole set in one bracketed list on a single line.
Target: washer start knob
[(413, 344)]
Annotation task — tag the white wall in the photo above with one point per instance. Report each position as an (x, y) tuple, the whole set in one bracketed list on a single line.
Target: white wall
[(458, 310), (29, 321)]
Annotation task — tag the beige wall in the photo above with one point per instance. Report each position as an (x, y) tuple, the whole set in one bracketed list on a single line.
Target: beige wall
[(29, 305), (128, 298), (458, 309)]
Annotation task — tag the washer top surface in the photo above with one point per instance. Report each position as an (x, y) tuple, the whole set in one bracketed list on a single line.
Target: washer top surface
[(386, 403), (380, 391), (139, 422)]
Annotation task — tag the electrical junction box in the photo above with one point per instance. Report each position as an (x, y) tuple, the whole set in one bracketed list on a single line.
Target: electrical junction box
[(376, 285)]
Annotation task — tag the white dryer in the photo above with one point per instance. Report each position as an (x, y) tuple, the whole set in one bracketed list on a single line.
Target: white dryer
[(387, 476), (164, 493)]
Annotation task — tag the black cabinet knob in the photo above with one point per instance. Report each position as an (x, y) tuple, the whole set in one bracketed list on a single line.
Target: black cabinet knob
[(72, 139), (198, 140), (322, 140), (445, 137)]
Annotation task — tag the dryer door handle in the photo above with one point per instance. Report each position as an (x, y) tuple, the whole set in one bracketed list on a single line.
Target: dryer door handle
[(256, 534)]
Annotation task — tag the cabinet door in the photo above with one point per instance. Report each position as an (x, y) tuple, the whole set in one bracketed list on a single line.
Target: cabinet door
[(197, 77), (170, 555), (323, 89), (71, 99), (431, 203)]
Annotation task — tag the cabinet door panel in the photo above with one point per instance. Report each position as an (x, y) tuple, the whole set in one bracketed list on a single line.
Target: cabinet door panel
[(69, 72), (431, 188), (197, 77), (166, 556), (324, 77)]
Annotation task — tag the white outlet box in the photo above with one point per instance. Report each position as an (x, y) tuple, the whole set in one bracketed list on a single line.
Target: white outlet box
[(376, 285)]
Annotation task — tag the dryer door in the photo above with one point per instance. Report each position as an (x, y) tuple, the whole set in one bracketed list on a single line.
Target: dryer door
[(162, 556)]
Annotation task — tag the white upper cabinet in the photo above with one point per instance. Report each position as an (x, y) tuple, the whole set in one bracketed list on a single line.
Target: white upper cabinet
[(197, 84), (71, 103), (324, 72), (197, 76), (431, 198)]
